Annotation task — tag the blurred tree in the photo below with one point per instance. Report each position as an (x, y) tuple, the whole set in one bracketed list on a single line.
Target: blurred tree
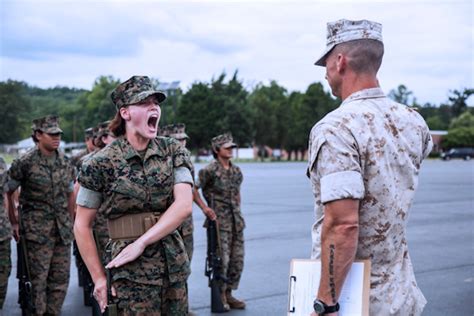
[(458, 100), (459, 137), (464, 120), (271, 115), (98, 104), (402, 95), (14, 121)]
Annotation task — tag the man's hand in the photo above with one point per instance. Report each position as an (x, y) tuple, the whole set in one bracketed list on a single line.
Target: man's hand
[(209, 212)]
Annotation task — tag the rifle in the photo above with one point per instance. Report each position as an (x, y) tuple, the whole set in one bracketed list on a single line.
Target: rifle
[(111, 309), (25, 287), (213, 269), (85, 280)]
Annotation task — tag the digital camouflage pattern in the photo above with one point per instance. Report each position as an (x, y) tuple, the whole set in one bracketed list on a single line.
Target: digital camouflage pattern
[(371, 149), (177, 131), (49, 267), (47, 124), (221, 189), (134, 90), (137, 299), (5, 269), (45, 187), (129, 186), (5, 237), (5, 227)]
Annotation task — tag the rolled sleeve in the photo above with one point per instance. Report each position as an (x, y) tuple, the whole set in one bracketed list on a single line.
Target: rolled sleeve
[(88, 198), (342, 185), (183, 175), (338, 165)]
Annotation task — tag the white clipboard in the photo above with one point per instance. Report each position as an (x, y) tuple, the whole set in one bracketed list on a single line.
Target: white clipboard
[(304, 283)]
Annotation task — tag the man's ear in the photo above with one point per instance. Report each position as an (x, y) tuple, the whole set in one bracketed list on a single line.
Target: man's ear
[(125, 113), (341, 63)]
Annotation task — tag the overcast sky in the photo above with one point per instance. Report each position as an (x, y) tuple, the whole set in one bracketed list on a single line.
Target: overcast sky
[(428, 44)]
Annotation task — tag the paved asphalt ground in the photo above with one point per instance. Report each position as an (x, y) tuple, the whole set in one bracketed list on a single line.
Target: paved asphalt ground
[(278, 209)]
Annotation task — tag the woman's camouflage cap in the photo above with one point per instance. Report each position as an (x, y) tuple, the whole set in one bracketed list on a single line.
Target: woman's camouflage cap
[(48, 124), (176, 131), (134, 90), (224, 141)]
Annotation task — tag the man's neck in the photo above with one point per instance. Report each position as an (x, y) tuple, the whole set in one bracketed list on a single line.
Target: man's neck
[(225, 162), (137, 141), (357, 82)]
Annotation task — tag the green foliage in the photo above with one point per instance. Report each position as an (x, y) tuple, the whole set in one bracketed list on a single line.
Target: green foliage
[(402, 95), (435, 123), (14, 123), (267, 116), (212, 109), (464, 120), (459, 137), (271, 115)]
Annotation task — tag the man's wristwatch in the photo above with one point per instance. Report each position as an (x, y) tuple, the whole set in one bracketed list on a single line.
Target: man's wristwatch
[(321, 308)]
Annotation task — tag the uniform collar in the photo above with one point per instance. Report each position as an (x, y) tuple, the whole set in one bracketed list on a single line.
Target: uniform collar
[(130, 152), (365, 94)]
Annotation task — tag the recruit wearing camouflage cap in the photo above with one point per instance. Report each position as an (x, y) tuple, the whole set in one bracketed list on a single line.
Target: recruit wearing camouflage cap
[(103, 129), (224, 141), (176, 131), (134, 90), (342, 31), (48, 124), (89, 133)]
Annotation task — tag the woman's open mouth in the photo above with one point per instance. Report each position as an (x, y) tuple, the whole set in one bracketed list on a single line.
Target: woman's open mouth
[(152, 121)]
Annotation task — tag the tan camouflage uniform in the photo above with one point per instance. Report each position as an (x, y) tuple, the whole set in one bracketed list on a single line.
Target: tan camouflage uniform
[(221, 189), (5, 238), (371, 149), (128, 184), (45, 187)]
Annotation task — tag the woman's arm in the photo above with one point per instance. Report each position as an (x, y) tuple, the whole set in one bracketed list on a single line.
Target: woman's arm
[(168, 222), (87, 247)]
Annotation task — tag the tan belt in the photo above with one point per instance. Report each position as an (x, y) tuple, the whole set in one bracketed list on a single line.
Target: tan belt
[(131, 226)]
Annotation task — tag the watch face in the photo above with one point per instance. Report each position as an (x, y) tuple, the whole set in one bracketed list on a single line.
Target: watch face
[(318, 306)]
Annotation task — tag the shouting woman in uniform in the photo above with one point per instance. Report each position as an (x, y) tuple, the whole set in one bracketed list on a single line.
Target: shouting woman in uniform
[(143, 185)]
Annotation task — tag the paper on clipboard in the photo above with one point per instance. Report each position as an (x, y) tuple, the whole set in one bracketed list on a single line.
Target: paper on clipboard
[(304, 284)]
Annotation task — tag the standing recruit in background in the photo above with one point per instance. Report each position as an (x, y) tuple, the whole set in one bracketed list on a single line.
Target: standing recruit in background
[(46, 178), (364, 161), (220, 184), (177, 131)]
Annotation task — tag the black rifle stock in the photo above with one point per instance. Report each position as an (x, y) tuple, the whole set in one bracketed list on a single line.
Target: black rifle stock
[(214, 265), (111, 309), (25, 287)]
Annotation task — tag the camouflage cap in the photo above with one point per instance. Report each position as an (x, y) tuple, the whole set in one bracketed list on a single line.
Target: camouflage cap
[(103, 129), (342, 31), (176, 131), (224, 141), (164, 131), (134, 90), (89, 132), (48, 124)]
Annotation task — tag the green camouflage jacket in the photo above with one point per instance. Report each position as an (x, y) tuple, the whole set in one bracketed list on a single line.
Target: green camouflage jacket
[(5, 227), (223, 187), (130, 185), (45, 188)]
